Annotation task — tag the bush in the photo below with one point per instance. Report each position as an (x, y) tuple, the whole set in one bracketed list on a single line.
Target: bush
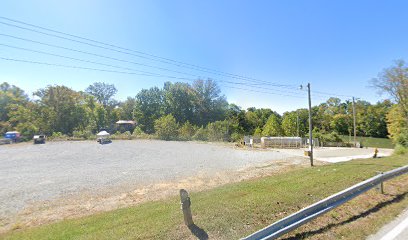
[(237, 137), (400, 150), (201, 134), (139, 134), (186, 132), (402, 138), (166, 127), (122, 136), (86, 134), (326, 138), (218, 131), (58, 136)]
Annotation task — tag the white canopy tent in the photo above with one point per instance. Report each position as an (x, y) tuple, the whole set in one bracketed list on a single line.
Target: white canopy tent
[(103, 134)]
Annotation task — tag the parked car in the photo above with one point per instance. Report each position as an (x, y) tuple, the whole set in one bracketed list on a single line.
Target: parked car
[(13, 136), (39, 139)]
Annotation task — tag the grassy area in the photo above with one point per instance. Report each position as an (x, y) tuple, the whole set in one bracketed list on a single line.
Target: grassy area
[(371, 142), (235, 210)]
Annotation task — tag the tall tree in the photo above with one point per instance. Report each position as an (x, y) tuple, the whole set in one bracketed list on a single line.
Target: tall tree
[(273, 126), (9, 95), (179, 101), (289, 124), (102, 92), (62, 109), (211, 106), (149, 107), (394, 81)]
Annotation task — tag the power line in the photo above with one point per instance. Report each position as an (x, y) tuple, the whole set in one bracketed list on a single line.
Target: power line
[(116, 59), (131, 69), (149, 56), (131, 73), (138, 53)]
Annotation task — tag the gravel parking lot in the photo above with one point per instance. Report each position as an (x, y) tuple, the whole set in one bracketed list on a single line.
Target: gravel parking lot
[(30, 174)]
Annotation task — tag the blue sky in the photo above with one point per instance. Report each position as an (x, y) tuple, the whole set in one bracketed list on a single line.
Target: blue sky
[(337, 46)]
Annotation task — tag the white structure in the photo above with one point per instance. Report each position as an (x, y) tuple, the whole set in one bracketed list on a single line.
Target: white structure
[(103, 137), (281, 142)]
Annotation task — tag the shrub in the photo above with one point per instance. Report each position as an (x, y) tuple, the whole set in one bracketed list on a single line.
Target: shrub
[(139, 134), (400, 150), (326, 138), (218, 131), (86, 134), (402, 138), (187, 131), (201, 134), (58, 136), (237, 137), (166, 127), (122, 136)]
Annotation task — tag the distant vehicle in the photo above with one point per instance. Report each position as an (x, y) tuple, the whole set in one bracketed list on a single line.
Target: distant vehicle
[(39, 139), (103, 137), (14, 136)]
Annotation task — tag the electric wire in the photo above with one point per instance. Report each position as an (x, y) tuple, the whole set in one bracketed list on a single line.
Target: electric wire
[(138, 54)]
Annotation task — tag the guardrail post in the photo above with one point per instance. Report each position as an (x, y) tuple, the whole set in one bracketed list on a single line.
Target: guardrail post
[(380, 187), (185, 206)]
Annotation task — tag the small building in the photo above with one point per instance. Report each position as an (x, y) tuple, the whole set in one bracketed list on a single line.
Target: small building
[(125, 125)]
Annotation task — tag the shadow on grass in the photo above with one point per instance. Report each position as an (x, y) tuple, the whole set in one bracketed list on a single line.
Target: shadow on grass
[(198, 232), (376, 208)]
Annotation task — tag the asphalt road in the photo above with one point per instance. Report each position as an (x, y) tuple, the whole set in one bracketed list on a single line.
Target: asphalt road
[(395, 230)]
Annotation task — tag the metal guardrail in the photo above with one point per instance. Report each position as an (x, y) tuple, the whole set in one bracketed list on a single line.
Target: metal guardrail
[(305, 215)]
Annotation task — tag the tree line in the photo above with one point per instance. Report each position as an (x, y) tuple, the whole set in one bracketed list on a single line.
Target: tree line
[(178, 110)]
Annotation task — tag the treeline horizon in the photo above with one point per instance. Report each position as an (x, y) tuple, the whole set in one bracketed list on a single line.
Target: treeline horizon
[(178, 110)]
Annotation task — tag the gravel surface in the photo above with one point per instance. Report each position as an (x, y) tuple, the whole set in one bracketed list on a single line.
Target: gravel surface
[(31, 173), (34, 177)]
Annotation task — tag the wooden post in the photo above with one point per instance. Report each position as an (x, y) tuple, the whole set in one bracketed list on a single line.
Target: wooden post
[(185, 206)]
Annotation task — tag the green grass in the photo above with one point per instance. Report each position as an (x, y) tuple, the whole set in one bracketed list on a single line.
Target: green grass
[(228, 212), (371, 142)]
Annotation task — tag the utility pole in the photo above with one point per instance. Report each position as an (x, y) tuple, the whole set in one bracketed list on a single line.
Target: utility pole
[(310, 126), (297, 122), (354, 122)]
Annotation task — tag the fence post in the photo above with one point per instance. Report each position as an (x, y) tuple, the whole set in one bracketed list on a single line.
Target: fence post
[(185, 206)]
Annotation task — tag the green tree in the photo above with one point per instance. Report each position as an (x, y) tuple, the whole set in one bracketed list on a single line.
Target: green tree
[(100, 117), (210, 105), (166, 127), (394, 81), (396, 122), (289, 124), (102, 92), (342, 123), (25, 119), (272, 126), (128, 108), (149, 107), (179, 101), (9, 95), (62, 109)]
